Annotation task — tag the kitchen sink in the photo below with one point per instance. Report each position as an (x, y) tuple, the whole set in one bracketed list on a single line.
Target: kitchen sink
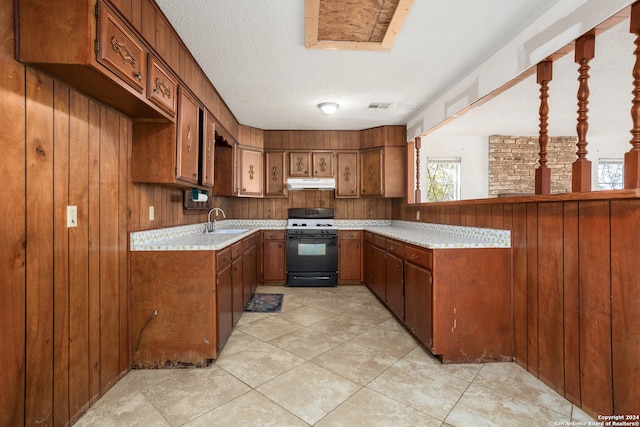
[(226, 231)]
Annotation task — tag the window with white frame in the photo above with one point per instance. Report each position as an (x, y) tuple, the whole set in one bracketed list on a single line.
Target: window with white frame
[(441, 179), (610, 174)]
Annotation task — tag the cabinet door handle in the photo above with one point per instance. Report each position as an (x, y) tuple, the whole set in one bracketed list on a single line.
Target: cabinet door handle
[(415, 256)]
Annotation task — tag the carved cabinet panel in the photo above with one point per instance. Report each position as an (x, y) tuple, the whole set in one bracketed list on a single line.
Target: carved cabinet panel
[(207, 159), (250, 173), (275, 179), (347, 175), (188, 138), (299, 164), (161, 87), (322, 162), (121, 52)]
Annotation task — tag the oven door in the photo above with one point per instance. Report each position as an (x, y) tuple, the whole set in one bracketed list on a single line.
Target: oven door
[(312, 260)]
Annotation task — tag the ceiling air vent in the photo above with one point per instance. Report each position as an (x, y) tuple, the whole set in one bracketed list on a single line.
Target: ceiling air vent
[(378, 105)]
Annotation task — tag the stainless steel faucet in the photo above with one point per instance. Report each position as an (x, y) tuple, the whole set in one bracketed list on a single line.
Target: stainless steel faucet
[(211, 226)]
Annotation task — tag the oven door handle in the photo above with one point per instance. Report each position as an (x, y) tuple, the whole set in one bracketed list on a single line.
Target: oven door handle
[(313, 237)]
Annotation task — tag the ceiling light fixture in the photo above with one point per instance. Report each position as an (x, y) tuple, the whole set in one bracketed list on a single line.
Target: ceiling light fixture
[(328, 107)]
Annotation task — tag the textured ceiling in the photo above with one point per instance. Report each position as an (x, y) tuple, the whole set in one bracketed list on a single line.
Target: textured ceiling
[(515, 112), (253, 52)]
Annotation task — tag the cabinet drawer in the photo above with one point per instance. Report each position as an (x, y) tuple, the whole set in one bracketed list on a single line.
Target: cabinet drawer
[(223, 259), (236, 250), (247, 242), (350, 235), (273, 235), (379, 241), (121, 52), (368, 237), (419, 256), (395, 247)]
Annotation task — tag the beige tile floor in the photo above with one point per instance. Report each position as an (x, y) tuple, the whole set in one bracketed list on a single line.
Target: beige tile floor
[(332, 357)]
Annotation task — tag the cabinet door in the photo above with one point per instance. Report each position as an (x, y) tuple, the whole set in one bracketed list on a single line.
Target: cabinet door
[(347, 179), (161, 87), (394, 285), (374, 267), (273, 263), (250, 173), (322, 164), (121, 52), (249, 273), (299, 164), (275, 167), (371, 172), (224, 305), (208, 150), (188, 138), (418, 305), (237, 291), (350, 256)]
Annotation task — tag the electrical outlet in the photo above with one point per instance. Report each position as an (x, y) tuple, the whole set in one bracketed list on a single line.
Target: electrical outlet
[(72, 216), (417, 215), (152, 213)]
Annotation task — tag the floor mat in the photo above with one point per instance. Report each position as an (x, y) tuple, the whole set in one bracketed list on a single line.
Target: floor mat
[(265, 303)]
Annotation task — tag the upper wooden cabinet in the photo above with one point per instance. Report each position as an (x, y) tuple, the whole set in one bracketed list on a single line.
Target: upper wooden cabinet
[(188, 126), (299, 162), (382, 172), (383, 136), (347, 174), (207, 157), (169, 153), (322, 162), (250, 172), (161, 86), (89, 46), (121, 51), (275, 169), (306, 164)]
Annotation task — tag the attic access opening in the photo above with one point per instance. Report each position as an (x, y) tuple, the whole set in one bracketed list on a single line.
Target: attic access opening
[(354, 24)]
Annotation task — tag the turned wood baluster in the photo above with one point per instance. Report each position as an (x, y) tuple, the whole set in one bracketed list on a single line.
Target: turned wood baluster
[(417, 148), (581, 168), (632, 157), (543, 173)]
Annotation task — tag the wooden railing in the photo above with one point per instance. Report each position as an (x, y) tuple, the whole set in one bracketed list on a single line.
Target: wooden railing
[(581, 168)]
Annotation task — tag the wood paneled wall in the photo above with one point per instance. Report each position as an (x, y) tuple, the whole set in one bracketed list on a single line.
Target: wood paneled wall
[(63, 291), (576, 290), (66, 298)]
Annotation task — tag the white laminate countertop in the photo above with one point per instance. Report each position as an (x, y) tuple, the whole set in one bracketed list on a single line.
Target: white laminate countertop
[(191, 237)]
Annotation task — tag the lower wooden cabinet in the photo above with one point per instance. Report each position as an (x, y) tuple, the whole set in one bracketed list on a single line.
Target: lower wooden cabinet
[(457, 302), (274, 267), (394, 289), (173, 308), (374, 269), (224, 298), (349, 256), (184, 304), (418, 312), (238, 301)]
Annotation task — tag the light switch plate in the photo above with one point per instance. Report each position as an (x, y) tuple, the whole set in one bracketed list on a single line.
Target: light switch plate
[(417, 215), (72, 216), (152, 213)]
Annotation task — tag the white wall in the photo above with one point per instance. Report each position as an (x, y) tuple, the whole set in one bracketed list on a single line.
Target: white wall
[(474, 161)]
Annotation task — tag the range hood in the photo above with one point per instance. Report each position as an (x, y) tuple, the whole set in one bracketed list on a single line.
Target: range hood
[(311, 183)]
